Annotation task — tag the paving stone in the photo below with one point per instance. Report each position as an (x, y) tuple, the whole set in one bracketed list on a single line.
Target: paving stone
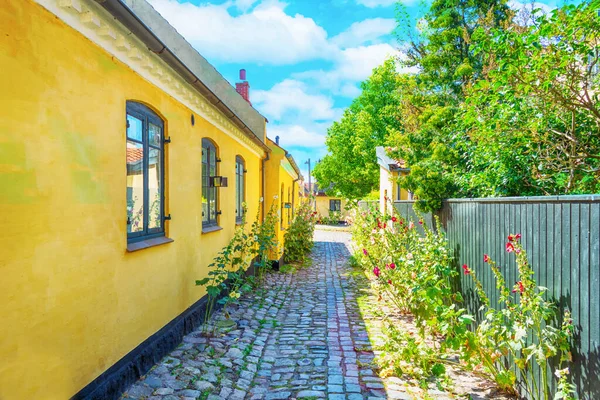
[(300, 335)]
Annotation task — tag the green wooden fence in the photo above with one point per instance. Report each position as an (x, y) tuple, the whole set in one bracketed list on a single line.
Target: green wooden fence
[(561, 235)]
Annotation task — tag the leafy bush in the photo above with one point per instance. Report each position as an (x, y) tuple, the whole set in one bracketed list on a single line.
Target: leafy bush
[(299, 237), (228, 268)]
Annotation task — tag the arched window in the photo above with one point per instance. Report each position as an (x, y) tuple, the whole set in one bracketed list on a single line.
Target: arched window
[(240, 188), (210, 193), (145, 173)]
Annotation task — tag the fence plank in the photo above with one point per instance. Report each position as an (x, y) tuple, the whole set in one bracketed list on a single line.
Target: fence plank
[(562, 238)]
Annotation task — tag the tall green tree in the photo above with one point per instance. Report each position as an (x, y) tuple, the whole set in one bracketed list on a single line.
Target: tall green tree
[(437, 152), (350, 168)]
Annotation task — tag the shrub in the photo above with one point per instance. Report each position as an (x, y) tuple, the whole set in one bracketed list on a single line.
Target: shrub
[(298, 240)]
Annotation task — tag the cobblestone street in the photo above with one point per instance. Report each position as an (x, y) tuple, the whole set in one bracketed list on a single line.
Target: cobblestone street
[(303, 336)]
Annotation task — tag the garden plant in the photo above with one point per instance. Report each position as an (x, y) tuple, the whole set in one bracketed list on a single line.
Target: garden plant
[(299, 236), (228, 269), (410, 265)]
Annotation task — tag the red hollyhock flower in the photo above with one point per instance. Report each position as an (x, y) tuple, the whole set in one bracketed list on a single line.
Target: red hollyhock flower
[(511, 238), (517, 236), (521, 287), (384, 225), (509, 247), (420, 222), (389, 281), (376, 271), (394, 219), (486, 258), (465, 268), (392, 266), (401, 222)]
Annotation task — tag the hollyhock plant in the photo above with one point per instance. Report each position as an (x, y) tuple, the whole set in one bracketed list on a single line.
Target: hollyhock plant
[(522, 329)]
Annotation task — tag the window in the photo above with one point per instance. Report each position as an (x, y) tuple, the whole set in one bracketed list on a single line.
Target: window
[(145, 173), (335, 205), (240, 196), (210, 198), (399, 192)]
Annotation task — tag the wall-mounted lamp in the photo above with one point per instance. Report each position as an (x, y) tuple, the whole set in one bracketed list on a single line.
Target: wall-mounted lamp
[(218, 181)]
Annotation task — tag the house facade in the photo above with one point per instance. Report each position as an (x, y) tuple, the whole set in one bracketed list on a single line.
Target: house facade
[(390, 171), (281, 189), (125, 158)]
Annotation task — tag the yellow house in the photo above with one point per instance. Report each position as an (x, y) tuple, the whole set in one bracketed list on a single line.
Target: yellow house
[(330, 208), (124, 160), (389, 172), (282, 188)]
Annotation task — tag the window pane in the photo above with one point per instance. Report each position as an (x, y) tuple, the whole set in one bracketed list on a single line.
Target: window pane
[(212, 204), (134, 130), (135, 187), (154, 135), (212, 163), (154, 194)]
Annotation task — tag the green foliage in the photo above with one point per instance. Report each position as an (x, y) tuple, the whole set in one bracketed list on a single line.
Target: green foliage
[(351, 165), (522, 328), (299, 236), (228, 269), (498, 107), (412, 269), (332, 218), (414, 272)]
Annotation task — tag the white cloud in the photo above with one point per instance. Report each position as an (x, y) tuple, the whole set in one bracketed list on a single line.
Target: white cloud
[(266, 35), (376, 3), (527, 12), (364, 31), (353, 65), (384, 3), (297, 136), (290, 98)]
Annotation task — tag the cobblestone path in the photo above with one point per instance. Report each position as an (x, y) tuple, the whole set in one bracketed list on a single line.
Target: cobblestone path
[(301, 337)]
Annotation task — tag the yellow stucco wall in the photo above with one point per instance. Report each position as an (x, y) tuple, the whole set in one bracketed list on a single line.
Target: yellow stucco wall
[(388, 186), (72, 300), (322, 206), (280, 181)]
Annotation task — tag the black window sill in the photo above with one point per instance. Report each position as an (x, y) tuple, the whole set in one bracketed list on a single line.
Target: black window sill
[(144, 244), (209, 229)]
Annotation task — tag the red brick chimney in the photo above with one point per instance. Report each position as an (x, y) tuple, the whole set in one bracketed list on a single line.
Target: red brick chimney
[(243, 88)]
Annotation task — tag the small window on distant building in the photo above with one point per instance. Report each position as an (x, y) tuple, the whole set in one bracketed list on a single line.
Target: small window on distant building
[(398, 192), (240, 188), (335, 205), (210, 193), (145, 173)]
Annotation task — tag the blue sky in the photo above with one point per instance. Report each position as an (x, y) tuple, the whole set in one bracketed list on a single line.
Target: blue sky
[(304, 58)]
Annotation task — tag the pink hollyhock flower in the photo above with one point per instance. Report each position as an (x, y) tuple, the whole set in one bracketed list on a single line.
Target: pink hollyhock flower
[(365, 252), (486, 258), (392, 266), (376, 271), (465, 268), (509, 247), (411, 225)]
